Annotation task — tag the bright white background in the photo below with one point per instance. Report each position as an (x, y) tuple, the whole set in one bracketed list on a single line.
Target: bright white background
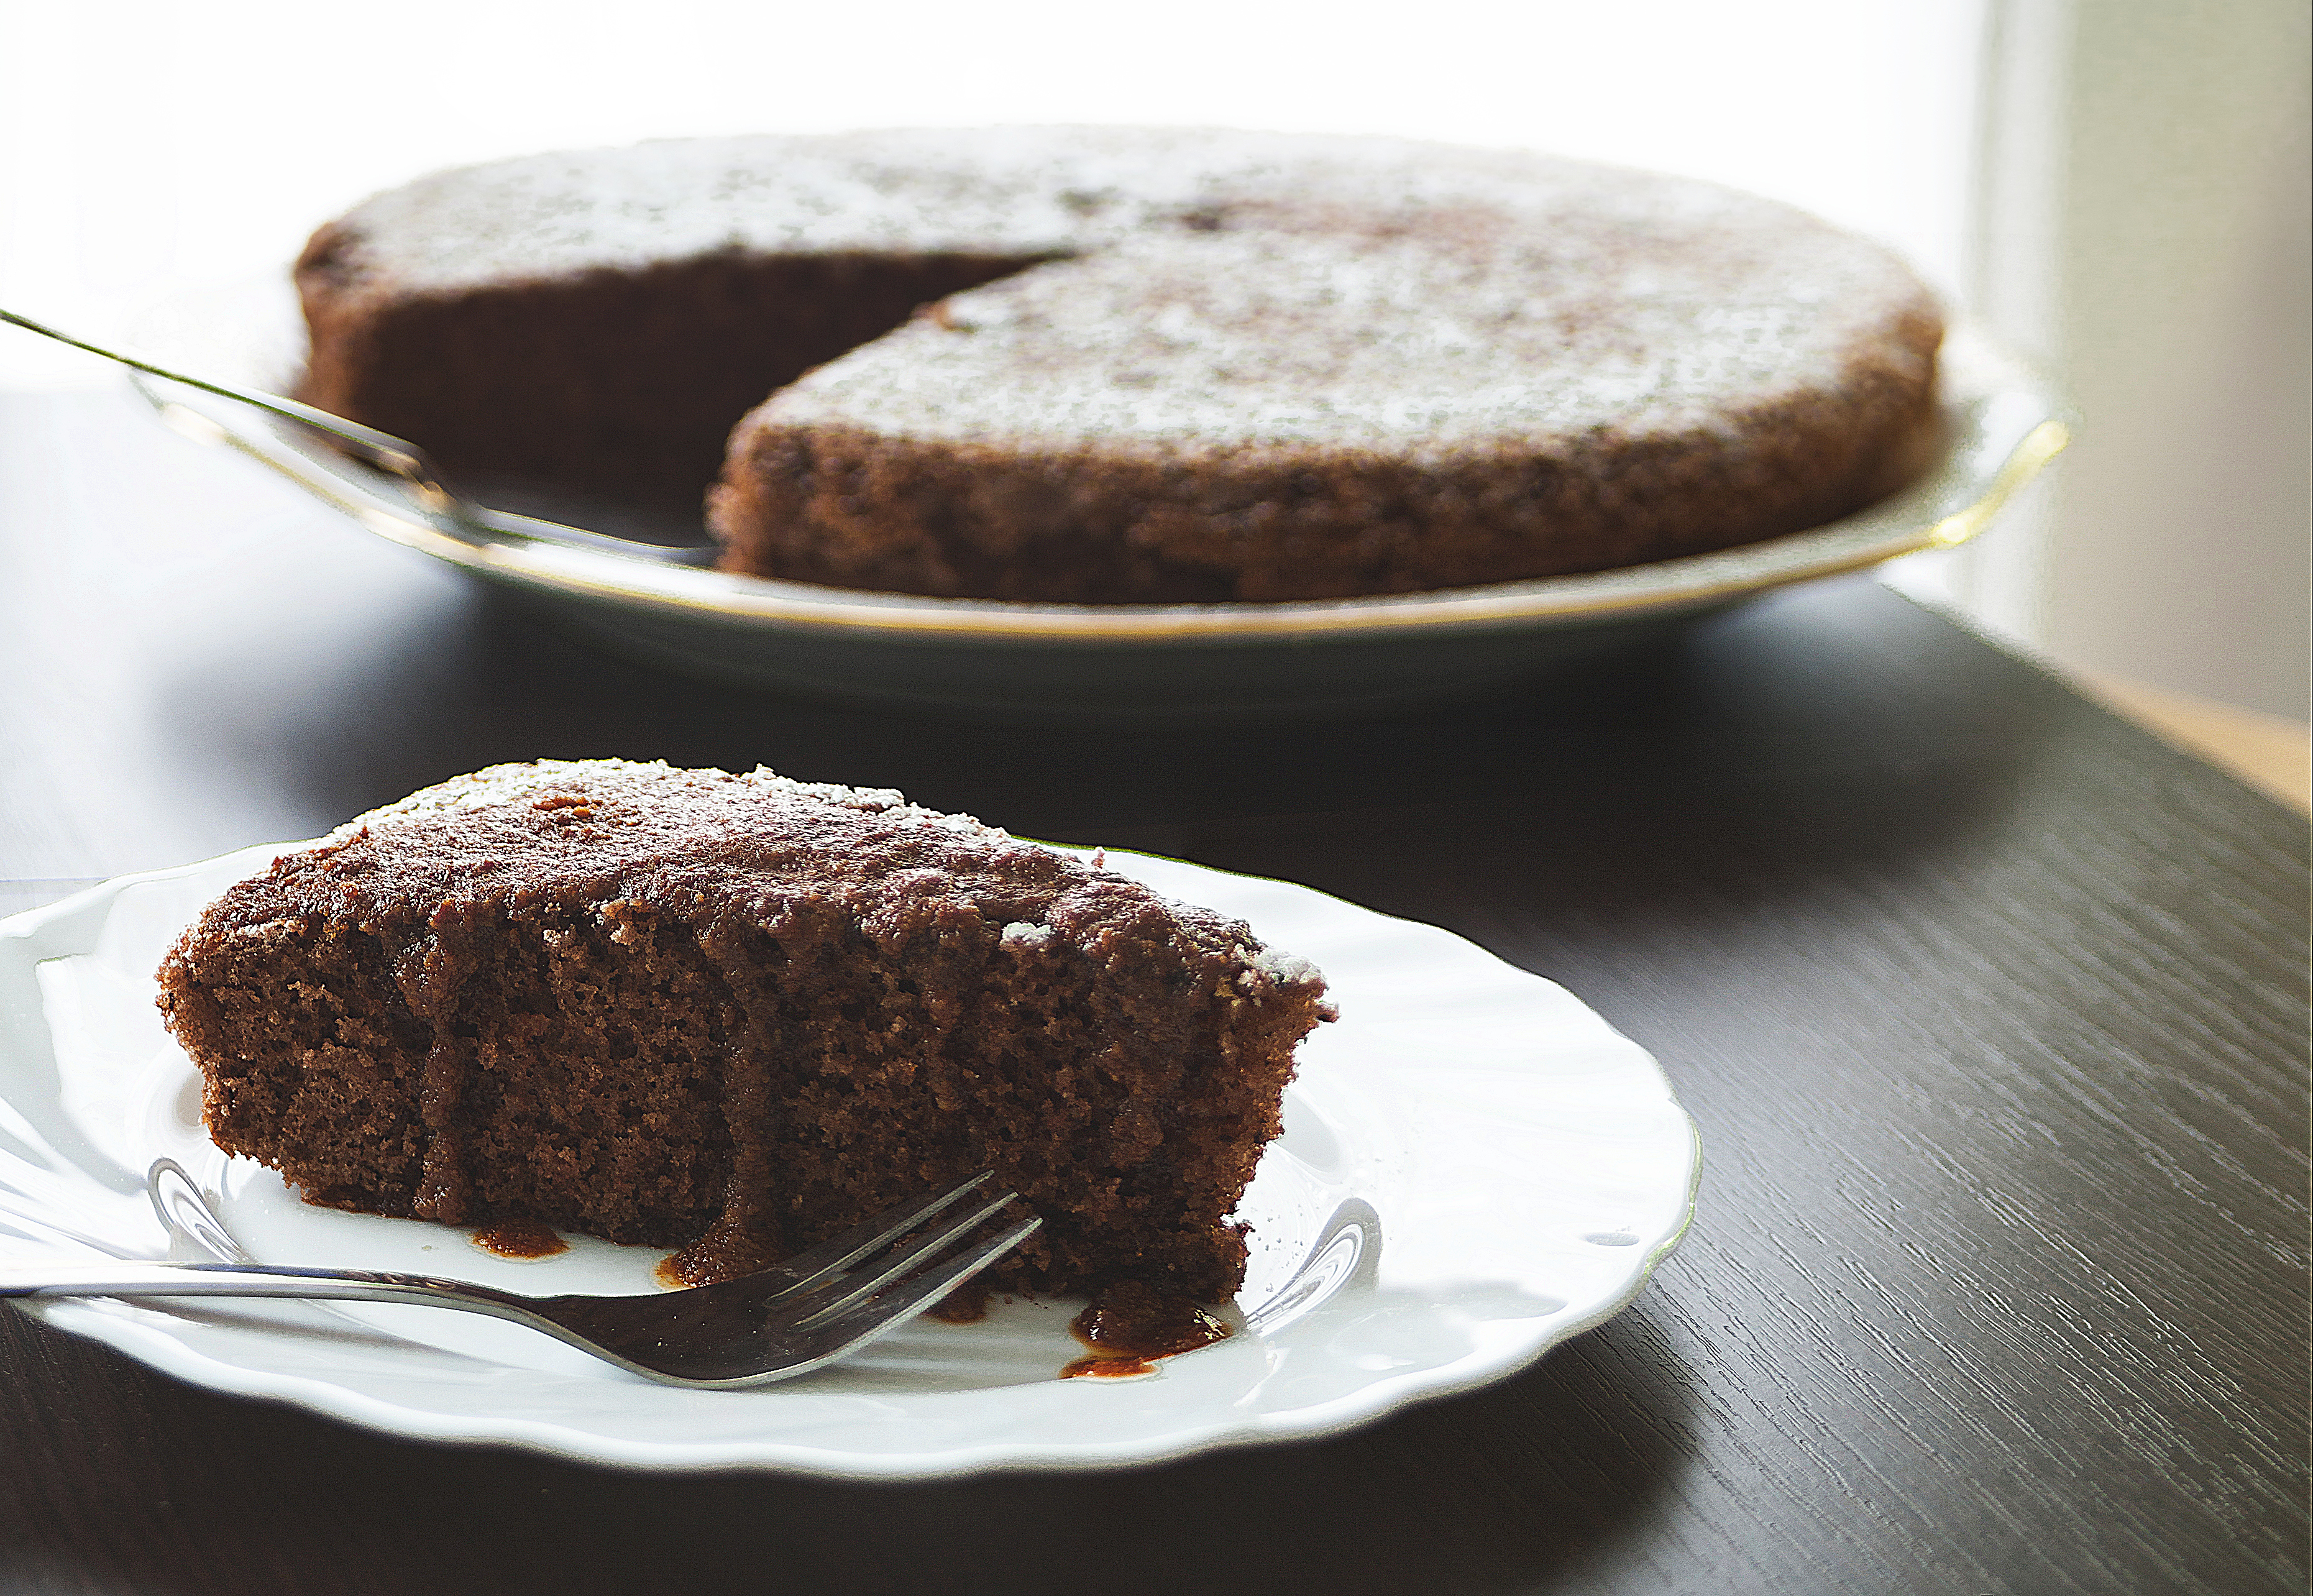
[(144, 147), (2118, 185)]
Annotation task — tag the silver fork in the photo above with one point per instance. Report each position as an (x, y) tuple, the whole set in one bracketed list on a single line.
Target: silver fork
[(420, 478), (799, 1315)]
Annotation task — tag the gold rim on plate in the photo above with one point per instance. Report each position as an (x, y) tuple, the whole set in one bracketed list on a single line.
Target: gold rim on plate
[(2001, 420)]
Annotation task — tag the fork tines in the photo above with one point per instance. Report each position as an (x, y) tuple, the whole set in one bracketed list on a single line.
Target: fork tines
[(890, 1266)]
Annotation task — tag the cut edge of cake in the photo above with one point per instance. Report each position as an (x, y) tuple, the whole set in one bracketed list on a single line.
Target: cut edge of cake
[(650, 1004)]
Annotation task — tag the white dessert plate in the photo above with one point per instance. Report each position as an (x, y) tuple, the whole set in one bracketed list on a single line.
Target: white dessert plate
[(1058, 662), (1474, 1167)]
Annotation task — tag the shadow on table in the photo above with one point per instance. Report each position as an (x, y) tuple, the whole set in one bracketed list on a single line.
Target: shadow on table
[(1552, 1475), (1841, 679)]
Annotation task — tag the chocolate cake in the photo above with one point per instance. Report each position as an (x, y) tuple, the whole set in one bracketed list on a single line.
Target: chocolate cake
[(1151, 365), (661, 1005)]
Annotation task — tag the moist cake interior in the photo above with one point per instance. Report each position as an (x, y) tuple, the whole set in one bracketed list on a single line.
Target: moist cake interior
[(622, 384), (663, 1006)]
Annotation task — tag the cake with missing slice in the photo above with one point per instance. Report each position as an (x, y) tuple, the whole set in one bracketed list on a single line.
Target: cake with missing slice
[(1154, 365), (670, 1006)]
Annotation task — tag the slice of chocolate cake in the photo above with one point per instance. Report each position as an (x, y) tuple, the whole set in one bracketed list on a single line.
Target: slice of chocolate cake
[(653, 1004)]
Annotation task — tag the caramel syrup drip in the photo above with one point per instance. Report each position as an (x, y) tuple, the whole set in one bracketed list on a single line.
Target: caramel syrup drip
[(520, 1238), (1108, 1368), (1130, 1325), (730, 1248), (746, 1236), (965, 1305), (431, 973)]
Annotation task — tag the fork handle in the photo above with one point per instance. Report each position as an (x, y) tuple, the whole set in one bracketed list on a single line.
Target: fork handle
[(133, 1278)]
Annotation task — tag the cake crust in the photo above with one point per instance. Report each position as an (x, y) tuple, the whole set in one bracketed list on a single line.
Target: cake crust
[(647, 1004)]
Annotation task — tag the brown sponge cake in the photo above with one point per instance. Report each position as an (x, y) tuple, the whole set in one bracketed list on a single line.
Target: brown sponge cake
[(1158, 365), (647, 1003), (1266, 414)]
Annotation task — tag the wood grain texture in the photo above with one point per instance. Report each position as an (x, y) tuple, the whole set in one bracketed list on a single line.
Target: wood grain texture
[(1991, 1007)]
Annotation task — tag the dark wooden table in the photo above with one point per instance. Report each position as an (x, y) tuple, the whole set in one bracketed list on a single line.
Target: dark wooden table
[(1992, 1010)]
